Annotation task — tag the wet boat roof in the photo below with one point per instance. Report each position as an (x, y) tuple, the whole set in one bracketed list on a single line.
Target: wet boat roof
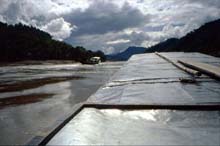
[(147, 79)]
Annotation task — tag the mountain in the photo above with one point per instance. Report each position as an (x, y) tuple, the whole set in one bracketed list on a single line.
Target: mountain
[(206, 40), (125, 55), (19, 42)]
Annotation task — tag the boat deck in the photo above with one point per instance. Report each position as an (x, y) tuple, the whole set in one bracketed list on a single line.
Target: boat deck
[(145, 103)]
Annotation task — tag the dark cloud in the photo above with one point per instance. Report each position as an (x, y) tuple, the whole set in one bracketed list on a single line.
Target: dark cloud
[(112, 42), (13, 12), (103, 22), (103, 17)]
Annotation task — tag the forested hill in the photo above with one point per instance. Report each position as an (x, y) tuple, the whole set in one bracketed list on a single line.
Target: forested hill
[(206, 40), (19, 42)]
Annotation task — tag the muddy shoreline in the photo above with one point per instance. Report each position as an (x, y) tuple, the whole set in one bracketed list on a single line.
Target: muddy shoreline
[(37, 62), (36, 97), (23, 99), (24, 85)]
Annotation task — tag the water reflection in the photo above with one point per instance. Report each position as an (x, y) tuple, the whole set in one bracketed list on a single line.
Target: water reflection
[(140, 127), (23, 122)]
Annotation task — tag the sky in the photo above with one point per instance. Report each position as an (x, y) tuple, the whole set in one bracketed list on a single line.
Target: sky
[(111, 25)]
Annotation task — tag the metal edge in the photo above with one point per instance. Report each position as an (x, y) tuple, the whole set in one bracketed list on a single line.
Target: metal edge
[(43, 140), (202, 107), (59, 124)]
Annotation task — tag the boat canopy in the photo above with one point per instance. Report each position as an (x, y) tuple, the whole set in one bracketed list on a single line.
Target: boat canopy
[(149, 102)]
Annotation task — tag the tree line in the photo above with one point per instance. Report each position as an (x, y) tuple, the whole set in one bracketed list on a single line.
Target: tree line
[(20, 42), (205, 39)]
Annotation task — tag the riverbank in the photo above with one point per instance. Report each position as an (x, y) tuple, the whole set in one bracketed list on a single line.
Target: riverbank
[(24, 99), (24, 85), (37, 62)]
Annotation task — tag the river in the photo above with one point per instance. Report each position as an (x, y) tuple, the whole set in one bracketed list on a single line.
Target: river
[(34, 96)]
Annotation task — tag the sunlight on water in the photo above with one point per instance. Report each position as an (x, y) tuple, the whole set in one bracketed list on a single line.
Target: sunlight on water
[(58, 88)]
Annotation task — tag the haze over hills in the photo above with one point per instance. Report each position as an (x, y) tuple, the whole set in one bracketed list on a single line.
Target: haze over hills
[(205, 39), (19, 42), (125, 55)]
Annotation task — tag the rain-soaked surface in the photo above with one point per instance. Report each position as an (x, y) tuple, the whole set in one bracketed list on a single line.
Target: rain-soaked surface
[(147, 79), (141, 127), (33, 97)]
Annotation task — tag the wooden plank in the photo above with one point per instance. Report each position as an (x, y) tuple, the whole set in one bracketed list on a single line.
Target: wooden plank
[(210, 70), (178, 65)]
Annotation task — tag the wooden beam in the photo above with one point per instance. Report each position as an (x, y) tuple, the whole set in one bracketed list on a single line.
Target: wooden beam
[(210, 70), (178, 65)]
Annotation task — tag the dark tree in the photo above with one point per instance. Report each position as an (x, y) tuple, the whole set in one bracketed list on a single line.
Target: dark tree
[(19, 42), (206, 40)]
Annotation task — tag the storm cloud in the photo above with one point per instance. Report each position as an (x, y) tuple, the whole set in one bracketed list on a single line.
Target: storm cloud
[(102, 17), (111, 26)]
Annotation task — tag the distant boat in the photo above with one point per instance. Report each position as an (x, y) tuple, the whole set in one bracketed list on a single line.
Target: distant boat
[(93, 60)]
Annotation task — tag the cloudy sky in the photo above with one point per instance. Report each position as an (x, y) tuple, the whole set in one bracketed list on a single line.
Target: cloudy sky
[(111, 25)]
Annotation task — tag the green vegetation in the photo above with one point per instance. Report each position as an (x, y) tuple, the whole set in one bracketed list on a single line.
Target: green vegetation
[(19, 42), (206, 40)]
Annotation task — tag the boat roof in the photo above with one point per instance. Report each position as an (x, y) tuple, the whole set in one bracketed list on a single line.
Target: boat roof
[(145, 103), (149, 79)]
